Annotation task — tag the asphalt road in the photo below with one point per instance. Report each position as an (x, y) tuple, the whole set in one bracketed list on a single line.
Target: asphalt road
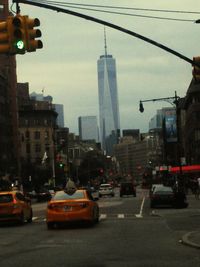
[(129, 234)]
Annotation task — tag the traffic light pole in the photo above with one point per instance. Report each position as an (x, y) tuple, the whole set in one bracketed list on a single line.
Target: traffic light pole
[(181, 182)]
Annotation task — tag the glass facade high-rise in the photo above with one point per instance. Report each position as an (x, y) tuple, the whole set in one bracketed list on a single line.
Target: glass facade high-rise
[(108, 103), (88, 129)]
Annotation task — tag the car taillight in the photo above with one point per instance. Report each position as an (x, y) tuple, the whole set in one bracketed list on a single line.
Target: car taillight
[(15, 204), (51, 206)]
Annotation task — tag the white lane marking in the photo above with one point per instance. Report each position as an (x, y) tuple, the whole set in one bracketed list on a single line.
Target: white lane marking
[(141, 209), (34, 218), (120, 216), (103, 216)]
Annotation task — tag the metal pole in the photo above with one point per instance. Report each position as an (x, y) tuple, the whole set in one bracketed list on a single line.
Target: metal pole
[(180, 178)]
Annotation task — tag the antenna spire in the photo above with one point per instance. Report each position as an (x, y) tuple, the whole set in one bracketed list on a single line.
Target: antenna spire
[(105, 44)]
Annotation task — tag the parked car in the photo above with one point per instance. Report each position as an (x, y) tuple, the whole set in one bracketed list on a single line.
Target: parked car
[(127, 188), (65, 207), (162, 196), (106, 190), (153, 187), (14, 206)]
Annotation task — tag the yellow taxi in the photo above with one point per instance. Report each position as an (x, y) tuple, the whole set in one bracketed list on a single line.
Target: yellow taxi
[(14, 206), (67, 206)]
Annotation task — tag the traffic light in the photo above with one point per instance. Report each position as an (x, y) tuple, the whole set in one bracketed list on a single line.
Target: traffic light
[(61, 165), (4, 37), (17, 33), (141, 107), (32, 34), (196, 69)]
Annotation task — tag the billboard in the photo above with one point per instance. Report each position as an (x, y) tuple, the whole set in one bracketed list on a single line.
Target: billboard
[(170, 126)]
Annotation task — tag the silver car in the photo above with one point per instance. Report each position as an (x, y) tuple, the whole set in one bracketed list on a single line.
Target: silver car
[(106, 190)]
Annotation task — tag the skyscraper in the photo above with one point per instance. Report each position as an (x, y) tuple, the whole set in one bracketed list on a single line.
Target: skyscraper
[(88, 129), (108, 102)]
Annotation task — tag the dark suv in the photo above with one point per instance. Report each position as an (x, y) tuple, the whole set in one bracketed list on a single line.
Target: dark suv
[(127, 188)]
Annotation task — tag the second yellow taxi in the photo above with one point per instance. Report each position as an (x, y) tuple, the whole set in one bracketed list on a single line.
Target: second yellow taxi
[(67, 207)]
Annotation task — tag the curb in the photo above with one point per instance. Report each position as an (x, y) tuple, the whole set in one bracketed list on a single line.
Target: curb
[(186, 240)]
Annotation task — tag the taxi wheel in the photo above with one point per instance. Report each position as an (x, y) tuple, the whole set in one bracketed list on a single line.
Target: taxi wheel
[(29, 220), (22, 219), (96, 215)]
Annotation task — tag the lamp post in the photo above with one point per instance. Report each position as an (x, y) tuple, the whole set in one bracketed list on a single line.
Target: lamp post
[(174, 100)]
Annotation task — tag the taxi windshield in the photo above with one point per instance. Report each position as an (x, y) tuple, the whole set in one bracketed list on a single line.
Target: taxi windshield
[(64, 196)]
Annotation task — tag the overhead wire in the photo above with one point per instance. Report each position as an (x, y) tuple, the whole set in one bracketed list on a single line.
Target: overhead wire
[(85, 7), (120, 7)]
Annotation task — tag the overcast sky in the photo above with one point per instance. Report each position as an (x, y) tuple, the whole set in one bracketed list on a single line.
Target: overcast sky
[(66, 68)]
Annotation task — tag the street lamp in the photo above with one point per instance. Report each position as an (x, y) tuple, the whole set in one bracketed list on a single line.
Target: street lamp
[(174, 100)]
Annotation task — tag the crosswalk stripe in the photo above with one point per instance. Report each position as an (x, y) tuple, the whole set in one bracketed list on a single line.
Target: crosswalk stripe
[(102, 216)]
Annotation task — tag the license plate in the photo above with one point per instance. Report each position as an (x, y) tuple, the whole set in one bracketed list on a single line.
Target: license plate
[(67, 208)]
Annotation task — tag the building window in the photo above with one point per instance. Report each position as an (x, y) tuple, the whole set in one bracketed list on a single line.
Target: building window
[(38, 160), (28, 148), (46, 135), (37, 135), (22, 137), (197, 135), (77, 153), (47, 147), (37, 148), (36, 122), (27, 134), (71, 153)]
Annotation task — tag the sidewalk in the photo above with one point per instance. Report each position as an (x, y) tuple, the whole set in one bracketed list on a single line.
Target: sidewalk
[(192, 239)]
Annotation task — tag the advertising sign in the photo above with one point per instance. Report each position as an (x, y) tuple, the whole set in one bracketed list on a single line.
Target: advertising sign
[(170, 126)]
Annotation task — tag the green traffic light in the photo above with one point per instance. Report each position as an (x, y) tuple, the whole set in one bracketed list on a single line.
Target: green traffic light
[(20, 45)]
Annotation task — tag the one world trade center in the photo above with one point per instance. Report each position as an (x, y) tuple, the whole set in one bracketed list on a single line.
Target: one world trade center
[(108, 102)]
